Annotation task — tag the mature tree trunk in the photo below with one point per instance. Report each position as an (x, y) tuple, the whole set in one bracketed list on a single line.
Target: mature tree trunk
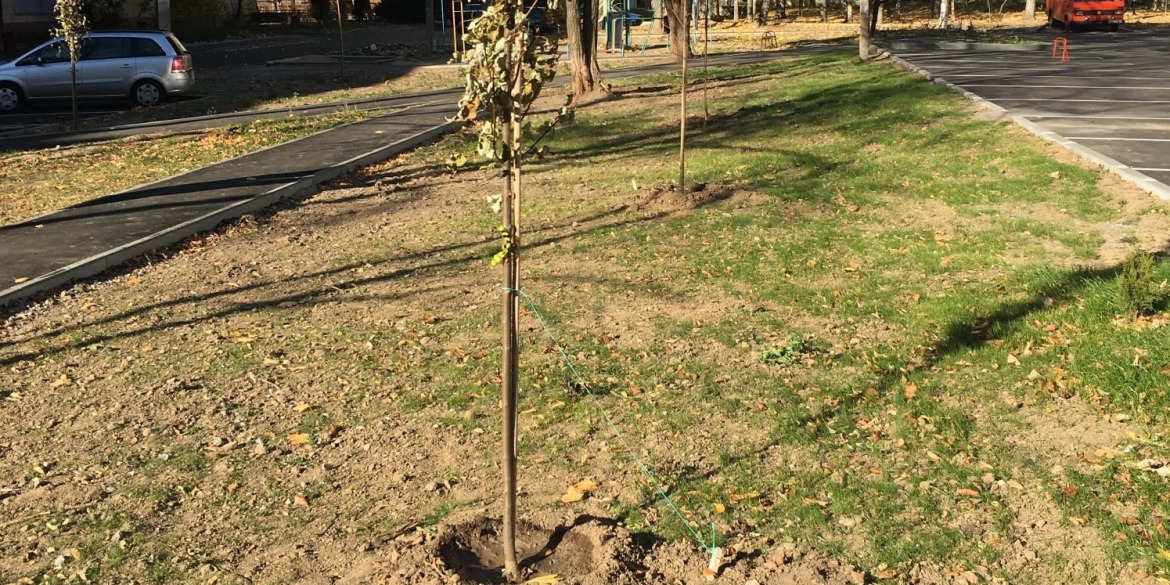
[(875, 15), (679, 30), (763, 21), (848, 11), (824, 4), (863, 33), (1030, 11), (943, 13), (581, 22), (734, 10)]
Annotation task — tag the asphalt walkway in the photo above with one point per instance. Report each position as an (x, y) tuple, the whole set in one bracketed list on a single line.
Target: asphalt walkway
[(48, 251), (44, 253)]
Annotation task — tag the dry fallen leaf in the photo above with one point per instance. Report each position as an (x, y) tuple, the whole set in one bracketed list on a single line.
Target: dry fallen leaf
[(585, 486), (59, 382), (1013, 360), (1128, 520), (299, 501), (577, 491), (302, 406), (1071, 491), (542, 580), (20, 280), (910, 391), (761, 405), (720, 508), (298, 438), (967, 492)]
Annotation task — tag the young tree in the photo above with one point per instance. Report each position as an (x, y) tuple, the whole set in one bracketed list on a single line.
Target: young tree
[(72, 24), (581, 25), (505, 73)]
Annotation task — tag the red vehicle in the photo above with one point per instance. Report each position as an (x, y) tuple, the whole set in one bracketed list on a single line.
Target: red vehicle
[(1072, 14)]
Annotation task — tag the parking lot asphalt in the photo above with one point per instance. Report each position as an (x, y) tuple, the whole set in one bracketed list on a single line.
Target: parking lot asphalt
[(1111, 97)]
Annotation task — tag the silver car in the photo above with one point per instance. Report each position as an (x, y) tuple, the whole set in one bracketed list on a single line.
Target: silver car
[(145, 66)]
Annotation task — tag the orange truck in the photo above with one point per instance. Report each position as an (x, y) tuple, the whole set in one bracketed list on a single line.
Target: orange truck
[(1072, 14)]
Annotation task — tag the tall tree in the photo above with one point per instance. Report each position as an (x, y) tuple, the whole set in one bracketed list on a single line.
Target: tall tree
[(581, 27), (72, 24), (1030, 11), (678, 29)]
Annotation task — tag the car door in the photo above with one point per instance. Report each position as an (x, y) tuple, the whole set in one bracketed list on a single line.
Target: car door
[(47, 72), (107, 67), (150, 60)]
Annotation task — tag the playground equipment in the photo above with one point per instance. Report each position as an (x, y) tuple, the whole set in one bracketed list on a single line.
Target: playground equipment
[(620, 18)]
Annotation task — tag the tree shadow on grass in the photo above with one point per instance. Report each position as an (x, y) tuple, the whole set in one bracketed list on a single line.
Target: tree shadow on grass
[(958, 338), (325, 293)]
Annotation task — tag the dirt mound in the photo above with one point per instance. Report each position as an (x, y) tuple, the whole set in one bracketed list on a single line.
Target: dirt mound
[(671, 198), (599, 551)]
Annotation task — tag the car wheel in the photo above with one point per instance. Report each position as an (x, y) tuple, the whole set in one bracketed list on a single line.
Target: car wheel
[(10, 97), (147, 93)]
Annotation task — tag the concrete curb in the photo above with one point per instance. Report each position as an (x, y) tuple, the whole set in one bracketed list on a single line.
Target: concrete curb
[(101, 262), (1145, 182)]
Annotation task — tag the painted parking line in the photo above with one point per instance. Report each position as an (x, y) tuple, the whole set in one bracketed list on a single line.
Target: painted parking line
[(1115, 139), (1148, 170), (1102, 87)]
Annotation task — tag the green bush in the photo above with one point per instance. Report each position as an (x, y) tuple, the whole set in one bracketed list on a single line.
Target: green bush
[(1137, 290)]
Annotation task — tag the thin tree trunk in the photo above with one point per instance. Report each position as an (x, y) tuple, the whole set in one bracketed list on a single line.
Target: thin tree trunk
[(682, 123), (73, 84), (848, 11), (1030, 11), (943, 13), (863, 34), (510, 374), (735, 11)]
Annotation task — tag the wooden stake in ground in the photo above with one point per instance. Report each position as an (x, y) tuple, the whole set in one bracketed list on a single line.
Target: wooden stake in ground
[(682, 123)]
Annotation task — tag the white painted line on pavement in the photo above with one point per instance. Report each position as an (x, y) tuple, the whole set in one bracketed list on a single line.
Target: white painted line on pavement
[(1091, 117), (1118, 139), (1060, 86), (1081, 100), (1151, 170), (1146, 78)]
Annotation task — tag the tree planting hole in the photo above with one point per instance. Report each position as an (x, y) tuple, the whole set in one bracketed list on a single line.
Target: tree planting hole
[(475, 551)]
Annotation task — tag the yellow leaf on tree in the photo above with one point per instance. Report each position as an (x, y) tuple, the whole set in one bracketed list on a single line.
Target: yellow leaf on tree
[(299, 438)]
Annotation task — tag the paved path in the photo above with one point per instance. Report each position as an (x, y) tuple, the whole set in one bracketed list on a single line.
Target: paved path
[(44, 253), (1109, 102)]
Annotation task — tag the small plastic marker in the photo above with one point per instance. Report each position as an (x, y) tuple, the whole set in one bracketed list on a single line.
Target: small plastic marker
[(713, 567)]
